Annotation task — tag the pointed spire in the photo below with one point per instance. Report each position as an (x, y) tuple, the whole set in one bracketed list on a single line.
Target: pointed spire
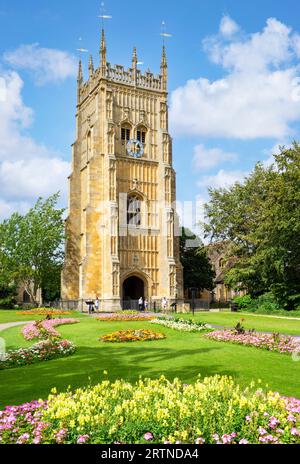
[(134, 58), (91, 66), (79, 80), (134, 65), (103, 60), (80, 73), (164, 69)]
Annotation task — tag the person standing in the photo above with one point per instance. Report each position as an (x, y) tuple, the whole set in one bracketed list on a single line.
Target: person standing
[(97, 304), (164, 303), (146, 304), (141, 304)]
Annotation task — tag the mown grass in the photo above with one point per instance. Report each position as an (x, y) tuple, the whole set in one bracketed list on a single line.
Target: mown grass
[(183, 355), (250, 321)]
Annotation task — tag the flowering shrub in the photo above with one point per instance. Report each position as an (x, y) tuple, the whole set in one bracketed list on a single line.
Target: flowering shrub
[(42, 351), (44, 312), (128, 311), (137, 335), (271, 342), (213, 410), (125, 317), (45, 329), (183, 325)]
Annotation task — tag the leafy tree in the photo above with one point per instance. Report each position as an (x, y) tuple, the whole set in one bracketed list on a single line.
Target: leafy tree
[(31, 251), (261, 218), (197, 268)]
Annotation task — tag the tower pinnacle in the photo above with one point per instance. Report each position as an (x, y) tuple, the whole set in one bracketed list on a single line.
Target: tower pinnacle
[(103, 60), (79, 80), (91, 66), (134, 64), (164, 69), (134, 59)]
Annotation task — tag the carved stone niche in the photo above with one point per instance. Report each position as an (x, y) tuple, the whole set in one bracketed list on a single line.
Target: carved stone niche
[(126, 114), (143, 119)]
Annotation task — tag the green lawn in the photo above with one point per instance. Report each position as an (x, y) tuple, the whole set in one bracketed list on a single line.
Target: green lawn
[(181, 355), (12, 315), (259, 323)]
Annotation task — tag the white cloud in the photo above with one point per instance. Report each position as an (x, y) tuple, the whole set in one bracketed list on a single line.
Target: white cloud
[(259, 95), (32, 178), (46, 64), (222, 179), (27, 169), (206, 158), (228, 27)]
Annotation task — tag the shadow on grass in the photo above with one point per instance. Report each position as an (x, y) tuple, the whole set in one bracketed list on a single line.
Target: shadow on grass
[(86, 366)]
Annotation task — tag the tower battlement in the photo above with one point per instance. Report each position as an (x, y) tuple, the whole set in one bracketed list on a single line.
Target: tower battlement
[(132, 77)]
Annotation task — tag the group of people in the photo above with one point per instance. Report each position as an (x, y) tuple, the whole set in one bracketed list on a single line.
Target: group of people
[(143, 304), (94, 305)]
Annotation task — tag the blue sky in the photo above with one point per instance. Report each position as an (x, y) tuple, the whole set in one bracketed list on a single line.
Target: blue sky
[(233, 82)]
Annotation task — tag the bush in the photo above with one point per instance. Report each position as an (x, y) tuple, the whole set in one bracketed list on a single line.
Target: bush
[(264, 304), (243, 302), (42, 351), (7, 303)]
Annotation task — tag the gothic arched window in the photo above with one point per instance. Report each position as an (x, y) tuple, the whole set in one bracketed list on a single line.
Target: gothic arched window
[(125, 133), (134, 210), (141, 134)]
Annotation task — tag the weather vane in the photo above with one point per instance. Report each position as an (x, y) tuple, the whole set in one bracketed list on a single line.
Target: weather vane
[(80, 49), (103, 14), (164, 34)]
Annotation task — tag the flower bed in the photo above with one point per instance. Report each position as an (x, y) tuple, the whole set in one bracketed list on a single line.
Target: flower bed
[(45, 328), (271, 342), (42, 351), (137, 335), (125, 317), (44, 312), (213, 410), (183, 325)]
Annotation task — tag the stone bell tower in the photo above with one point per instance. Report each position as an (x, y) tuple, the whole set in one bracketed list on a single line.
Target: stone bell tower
[(122, 240)]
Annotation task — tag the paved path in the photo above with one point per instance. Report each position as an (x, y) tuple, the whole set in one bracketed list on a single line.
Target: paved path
[(287, 318), (8, 325)]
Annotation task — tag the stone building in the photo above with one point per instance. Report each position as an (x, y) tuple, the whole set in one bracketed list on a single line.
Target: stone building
[(121, 229), (222, 262)]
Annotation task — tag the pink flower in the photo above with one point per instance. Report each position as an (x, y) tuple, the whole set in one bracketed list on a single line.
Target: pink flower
[(295, 432), (23, 439), (273, 422), (82, 439), (243, 441), (200, 441), (148, 436)]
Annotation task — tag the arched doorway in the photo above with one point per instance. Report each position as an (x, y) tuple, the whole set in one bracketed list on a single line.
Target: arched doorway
[(133, 290)]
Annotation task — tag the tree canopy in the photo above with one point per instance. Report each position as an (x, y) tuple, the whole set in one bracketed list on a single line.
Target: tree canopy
[(197, 269), (260, 217), (31, 248)]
